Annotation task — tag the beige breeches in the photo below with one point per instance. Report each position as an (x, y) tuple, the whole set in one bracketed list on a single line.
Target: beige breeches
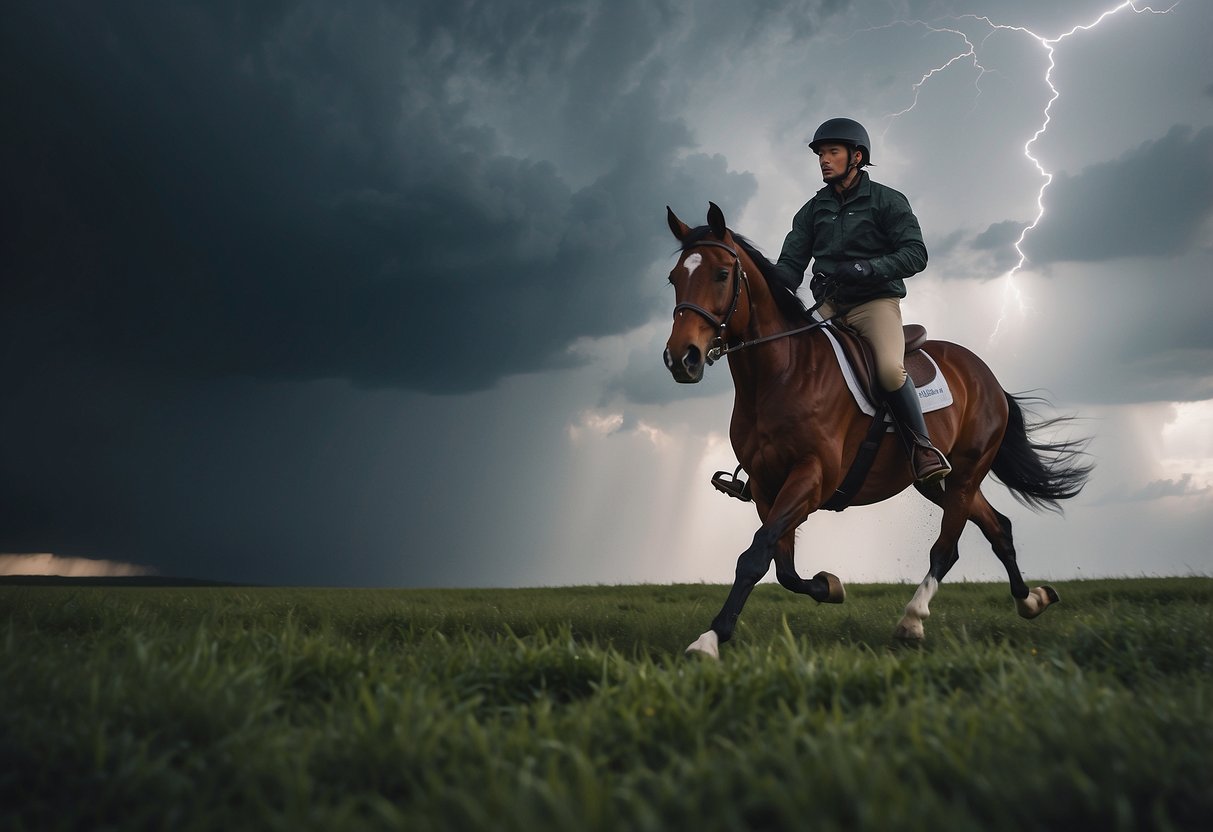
[(879, 322)]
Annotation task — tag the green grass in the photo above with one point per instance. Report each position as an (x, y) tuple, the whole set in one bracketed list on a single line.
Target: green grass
[(233, 708)]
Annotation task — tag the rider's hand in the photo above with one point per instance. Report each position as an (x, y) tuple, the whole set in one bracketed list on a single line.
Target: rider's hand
[(854, 270), (822, 285)]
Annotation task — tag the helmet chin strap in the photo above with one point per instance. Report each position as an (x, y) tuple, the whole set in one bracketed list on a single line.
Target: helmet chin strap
[(838, 179)]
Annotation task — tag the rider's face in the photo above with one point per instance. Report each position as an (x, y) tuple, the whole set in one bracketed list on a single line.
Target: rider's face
[(834, 160)]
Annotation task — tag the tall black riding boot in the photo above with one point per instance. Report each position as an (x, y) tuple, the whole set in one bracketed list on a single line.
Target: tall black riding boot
[(928, 462)]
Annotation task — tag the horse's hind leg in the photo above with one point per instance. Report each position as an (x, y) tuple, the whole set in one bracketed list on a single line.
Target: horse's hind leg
[(944, 553), (997, 529)]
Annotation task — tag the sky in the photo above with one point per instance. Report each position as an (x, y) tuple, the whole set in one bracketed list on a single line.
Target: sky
[(358, 294)]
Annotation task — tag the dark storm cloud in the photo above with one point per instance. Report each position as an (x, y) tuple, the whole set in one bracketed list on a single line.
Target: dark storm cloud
[(1149, 202), (239, 480), (209, 199), (998, 236), (995, 249), (298, 191)]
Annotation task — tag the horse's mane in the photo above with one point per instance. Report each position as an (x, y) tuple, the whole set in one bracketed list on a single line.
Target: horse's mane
[(788, 302)]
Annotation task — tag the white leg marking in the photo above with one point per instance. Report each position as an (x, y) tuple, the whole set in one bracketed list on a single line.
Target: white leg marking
[(692, 262), (707, 644), (917, 611)]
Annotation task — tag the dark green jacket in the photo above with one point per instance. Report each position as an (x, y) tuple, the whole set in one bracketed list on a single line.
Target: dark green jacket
[(871, 222)]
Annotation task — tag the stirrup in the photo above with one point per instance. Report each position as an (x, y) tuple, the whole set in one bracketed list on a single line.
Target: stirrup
[(933, 476), (729, 484)]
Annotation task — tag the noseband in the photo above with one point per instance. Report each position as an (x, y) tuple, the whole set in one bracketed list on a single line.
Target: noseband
[(717, 346)]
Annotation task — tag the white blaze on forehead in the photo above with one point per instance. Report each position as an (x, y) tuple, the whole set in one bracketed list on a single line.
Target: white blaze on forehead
[(692, 263)]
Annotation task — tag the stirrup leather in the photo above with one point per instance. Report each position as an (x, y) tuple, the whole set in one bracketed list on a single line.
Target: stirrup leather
[(731, 485)]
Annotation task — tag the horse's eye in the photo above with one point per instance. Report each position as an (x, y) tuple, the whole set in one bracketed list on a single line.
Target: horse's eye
[(722, 275)]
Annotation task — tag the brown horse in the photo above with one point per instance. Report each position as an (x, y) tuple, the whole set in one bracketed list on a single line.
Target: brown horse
[(796, 428)]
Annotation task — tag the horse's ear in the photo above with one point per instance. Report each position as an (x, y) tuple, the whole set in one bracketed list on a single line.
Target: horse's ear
[(680, 229), (716, 220)]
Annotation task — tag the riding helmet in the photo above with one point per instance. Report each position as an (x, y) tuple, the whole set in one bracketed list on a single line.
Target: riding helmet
[(844, 131)]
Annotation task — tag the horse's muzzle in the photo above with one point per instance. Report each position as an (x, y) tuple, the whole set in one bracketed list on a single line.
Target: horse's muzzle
[(689, 368)]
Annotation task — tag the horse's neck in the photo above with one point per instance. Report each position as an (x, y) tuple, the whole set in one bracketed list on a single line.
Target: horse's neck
[(764, 365), (783, 383), (770, 365), (785, 380)]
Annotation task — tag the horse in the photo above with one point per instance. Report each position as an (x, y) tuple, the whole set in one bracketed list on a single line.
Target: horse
[(796, 429)]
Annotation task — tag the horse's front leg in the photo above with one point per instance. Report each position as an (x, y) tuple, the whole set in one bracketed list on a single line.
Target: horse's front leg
[(801, 491), (823, 587), (751, 566)]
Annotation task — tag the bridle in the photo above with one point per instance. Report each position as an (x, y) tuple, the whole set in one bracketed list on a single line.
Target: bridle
[(718, 347)]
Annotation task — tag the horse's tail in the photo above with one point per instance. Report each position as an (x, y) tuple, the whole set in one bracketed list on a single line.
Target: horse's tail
[(1039, 474)]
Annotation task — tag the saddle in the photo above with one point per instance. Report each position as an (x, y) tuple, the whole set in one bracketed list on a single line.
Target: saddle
[(919, 368)]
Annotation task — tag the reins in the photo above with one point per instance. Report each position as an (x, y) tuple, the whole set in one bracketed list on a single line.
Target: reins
[(719, 347), (715, 353)]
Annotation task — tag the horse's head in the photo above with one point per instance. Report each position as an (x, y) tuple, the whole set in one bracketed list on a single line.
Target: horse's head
[(707, 284)]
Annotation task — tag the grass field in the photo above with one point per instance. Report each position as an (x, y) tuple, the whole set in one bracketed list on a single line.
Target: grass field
[(573, 708)]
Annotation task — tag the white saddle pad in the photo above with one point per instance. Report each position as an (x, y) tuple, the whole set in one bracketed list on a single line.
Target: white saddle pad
[(934, 396)]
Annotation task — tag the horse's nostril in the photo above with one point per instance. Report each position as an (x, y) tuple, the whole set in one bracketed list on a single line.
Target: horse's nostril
[(669, 359), (693, 358)]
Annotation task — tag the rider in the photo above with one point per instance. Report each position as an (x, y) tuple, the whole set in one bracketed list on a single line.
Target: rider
[(864, 240)]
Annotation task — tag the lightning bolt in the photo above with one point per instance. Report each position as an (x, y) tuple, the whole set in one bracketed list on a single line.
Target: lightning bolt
[(970, 53), (1012, 292)]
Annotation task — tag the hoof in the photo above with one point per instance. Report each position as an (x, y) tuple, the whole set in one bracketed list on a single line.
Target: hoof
[(707, 644), (1037, 601), (837, 593), (909, 630)]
